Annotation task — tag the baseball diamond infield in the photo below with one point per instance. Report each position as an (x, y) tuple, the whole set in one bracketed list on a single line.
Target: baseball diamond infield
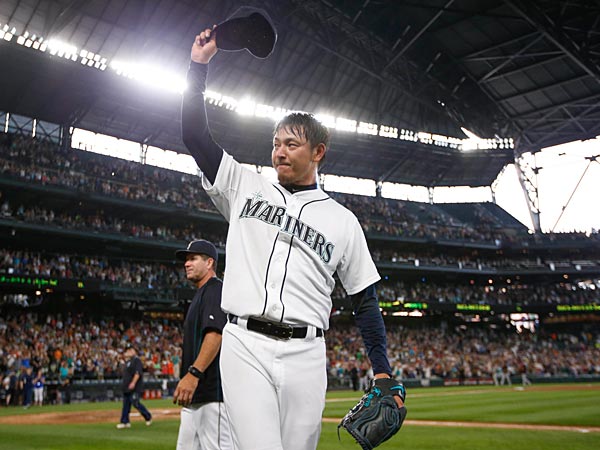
[(100, 416)]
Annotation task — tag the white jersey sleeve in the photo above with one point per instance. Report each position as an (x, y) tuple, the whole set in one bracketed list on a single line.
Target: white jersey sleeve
[(227, 184), (356, 269)]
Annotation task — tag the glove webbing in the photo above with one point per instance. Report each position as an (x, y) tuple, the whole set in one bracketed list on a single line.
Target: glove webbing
[(379, 387)]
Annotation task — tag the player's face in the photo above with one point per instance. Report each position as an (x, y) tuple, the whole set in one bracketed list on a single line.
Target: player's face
[(293, 158), (197, 266)]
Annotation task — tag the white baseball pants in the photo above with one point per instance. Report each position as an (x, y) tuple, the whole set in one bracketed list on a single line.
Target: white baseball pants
[(274, 389)]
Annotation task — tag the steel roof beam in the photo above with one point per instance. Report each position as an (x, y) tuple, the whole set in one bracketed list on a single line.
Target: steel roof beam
[(576, 119), (416, 37), (554, 34), (499, 45), (542, 88), (520, 70), (509, 60), (55, 23), (374, 73), (553, 108)]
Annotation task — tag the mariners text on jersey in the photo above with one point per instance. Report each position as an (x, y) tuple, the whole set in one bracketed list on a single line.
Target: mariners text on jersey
[(257, 208)]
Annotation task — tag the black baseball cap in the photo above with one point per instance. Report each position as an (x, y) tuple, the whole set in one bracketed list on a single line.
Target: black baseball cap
[(198, 247), (130, 346), (249, 29)]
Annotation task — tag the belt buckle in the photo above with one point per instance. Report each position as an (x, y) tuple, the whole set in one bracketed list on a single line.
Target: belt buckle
[(281, 331)]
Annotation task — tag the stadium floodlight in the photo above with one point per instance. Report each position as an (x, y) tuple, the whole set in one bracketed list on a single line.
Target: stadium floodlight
[(212, 97), (61, 49), (159, 78), (367, 128), (473, 142), (270, 112), (424, 137), (344, 124), (228, 103), (264, 110), (326, 119), (149, 75), (7, 33), (388, 131), (246, 107)]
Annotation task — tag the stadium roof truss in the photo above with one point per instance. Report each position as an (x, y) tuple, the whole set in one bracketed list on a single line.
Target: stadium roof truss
[(499, 68)]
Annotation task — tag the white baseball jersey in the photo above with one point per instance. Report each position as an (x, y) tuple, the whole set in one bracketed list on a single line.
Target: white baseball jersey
[(283, 248)]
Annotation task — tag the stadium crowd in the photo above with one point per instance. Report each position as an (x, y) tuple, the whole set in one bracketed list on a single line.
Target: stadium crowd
[(75, 347), (45, 163), (165, 276), (427, 257), (123, 273), (462, 352), (37, 161), (102, 222)]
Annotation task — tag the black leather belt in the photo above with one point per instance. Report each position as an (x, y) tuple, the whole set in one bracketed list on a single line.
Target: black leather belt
[(276, 330)]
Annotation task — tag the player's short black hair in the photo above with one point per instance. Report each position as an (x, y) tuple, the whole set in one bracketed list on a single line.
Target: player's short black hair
[(305, 125)]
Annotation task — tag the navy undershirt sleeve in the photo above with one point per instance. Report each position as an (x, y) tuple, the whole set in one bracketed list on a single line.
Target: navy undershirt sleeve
[(194, 124), (369, 321)]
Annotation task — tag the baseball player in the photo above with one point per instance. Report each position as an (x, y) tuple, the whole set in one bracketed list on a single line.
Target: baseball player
[(284, 244), (132, 389), (204, 424)]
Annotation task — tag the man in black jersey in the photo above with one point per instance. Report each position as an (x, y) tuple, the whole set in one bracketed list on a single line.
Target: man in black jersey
[(133, 384), (204, 424)]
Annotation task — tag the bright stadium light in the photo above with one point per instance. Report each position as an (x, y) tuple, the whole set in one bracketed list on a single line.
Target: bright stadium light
[(165, 80), (62, 49), (146, 74), (367, 128), (389, 132), (344, 124), (6, 33), (246, 107), (326, 119)]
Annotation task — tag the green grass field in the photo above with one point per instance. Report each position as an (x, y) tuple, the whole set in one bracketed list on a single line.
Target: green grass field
[(574, 405)]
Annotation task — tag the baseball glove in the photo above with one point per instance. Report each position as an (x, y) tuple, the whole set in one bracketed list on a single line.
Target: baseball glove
[(376, 417)]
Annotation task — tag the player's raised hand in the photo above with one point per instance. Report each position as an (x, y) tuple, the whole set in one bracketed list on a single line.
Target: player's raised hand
[(205, 46)]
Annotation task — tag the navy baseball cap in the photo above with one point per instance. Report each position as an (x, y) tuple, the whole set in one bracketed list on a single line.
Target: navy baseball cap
[(198, 247), (249, 29), (130, 346)]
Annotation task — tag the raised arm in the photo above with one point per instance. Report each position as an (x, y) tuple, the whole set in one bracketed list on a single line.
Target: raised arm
[(194, 124)]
